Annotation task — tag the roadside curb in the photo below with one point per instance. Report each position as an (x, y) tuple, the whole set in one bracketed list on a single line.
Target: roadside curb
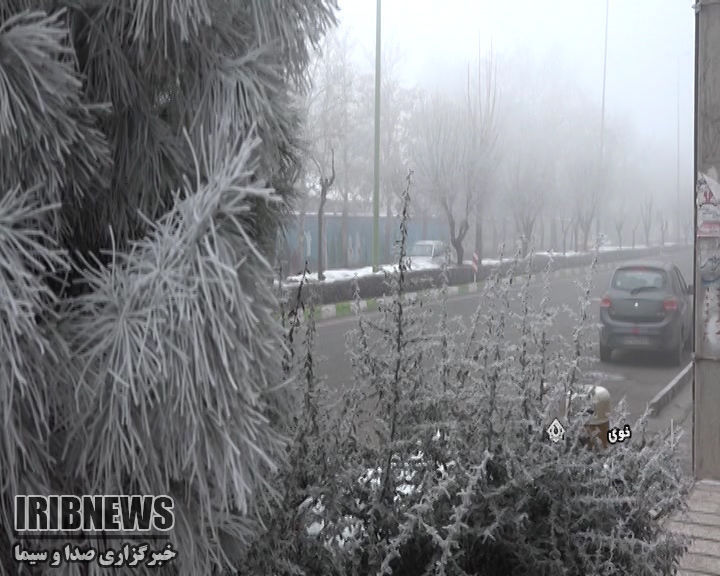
[(342, 309), (667, 394)]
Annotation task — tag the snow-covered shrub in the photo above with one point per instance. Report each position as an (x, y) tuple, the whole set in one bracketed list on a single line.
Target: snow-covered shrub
[(437, 460)]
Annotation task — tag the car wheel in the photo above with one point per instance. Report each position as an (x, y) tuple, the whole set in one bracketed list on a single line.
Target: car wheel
[(605, 353), (689, 342), (676, 357)]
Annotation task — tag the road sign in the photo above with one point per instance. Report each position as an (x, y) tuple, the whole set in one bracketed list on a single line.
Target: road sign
[(476, 260)]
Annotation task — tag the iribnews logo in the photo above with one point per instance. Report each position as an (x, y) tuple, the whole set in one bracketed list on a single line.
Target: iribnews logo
[(105, 513)]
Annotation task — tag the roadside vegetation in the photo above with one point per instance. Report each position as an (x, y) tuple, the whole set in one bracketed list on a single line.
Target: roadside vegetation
[(437, 460)]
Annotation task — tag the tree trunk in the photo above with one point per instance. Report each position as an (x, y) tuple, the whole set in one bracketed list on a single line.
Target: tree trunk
[(495, 237), (526, 232), (325, 250), (344, 234), (321, 237), (346, 199), (325, 185), (301, 251), (586, 229), (478, 232), (576, 237), (459, 250), (541, 233), (504, 232), (553, 233), (456, 239)]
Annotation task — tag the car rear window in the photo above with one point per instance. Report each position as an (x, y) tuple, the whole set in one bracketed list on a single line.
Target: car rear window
[(629, 279), (421, 250)]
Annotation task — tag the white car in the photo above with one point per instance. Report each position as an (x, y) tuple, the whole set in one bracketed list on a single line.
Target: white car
[(427, 254), (603, 239)]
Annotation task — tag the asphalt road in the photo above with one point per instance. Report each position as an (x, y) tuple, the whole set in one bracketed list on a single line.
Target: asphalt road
[(636, 377)]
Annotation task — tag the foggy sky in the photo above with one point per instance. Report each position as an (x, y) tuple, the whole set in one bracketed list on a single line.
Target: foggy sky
[(648, 41)]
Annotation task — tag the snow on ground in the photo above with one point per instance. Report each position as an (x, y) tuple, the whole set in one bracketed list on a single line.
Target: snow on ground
[(342, 274), (488, 261), (609, 248)]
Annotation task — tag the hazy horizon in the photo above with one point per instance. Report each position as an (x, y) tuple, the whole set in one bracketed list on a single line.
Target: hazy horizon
[(650, 60)]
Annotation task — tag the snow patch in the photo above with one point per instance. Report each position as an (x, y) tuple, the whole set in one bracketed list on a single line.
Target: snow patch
[(343, 274)]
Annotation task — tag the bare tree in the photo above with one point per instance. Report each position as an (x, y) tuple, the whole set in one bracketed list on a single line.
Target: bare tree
[(302, 208), (526, 191), (664, 225), (619, 219), (481, 140), (634, 231), (559, 207), (587, 180), (346, 78), (436, 152), (326, 183), (328, 125), (646, 212), (398, 103), (566, 223)]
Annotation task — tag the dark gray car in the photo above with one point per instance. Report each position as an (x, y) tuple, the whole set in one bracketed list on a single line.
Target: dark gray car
[(648, 306)]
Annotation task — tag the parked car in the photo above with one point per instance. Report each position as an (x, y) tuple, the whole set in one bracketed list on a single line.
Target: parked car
[(647, 306), (428, 252)]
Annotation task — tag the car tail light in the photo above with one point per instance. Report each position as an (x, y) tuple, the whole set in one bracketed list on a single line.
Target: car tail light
[(605, 302), (670, 305)]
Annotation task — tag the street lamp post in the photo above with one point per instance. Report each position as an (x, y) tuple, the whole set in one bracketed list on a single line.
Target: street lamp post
[(679, 205), (376, 186), (602, 113)]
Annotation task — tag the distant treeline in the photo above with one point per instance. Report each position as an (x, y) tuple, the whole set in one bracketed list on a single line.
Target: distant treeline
[(352, 247)]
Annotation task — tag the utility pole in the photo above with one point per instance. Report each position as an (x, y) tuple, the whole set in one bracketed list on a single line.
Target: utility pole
[(376, 187), (706, 391), (602, 117)]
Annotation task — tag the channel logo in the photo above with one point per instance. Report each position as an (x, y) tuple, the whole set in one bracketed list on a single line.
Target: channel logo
[(104, 513)]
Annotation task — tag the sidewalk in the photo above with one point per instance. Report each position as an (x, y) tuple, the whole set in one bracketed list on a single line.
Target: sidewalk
[(702, 523), (678, 414)]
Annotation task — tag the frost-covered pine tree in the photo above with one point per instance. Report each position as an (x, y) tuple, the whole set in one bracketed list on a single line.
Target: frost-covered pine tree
[(147, 148)]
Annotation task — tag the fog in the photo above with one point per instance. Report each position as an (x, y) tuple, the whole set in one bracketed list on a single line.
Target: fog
[(646, 39), (496, 107)]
